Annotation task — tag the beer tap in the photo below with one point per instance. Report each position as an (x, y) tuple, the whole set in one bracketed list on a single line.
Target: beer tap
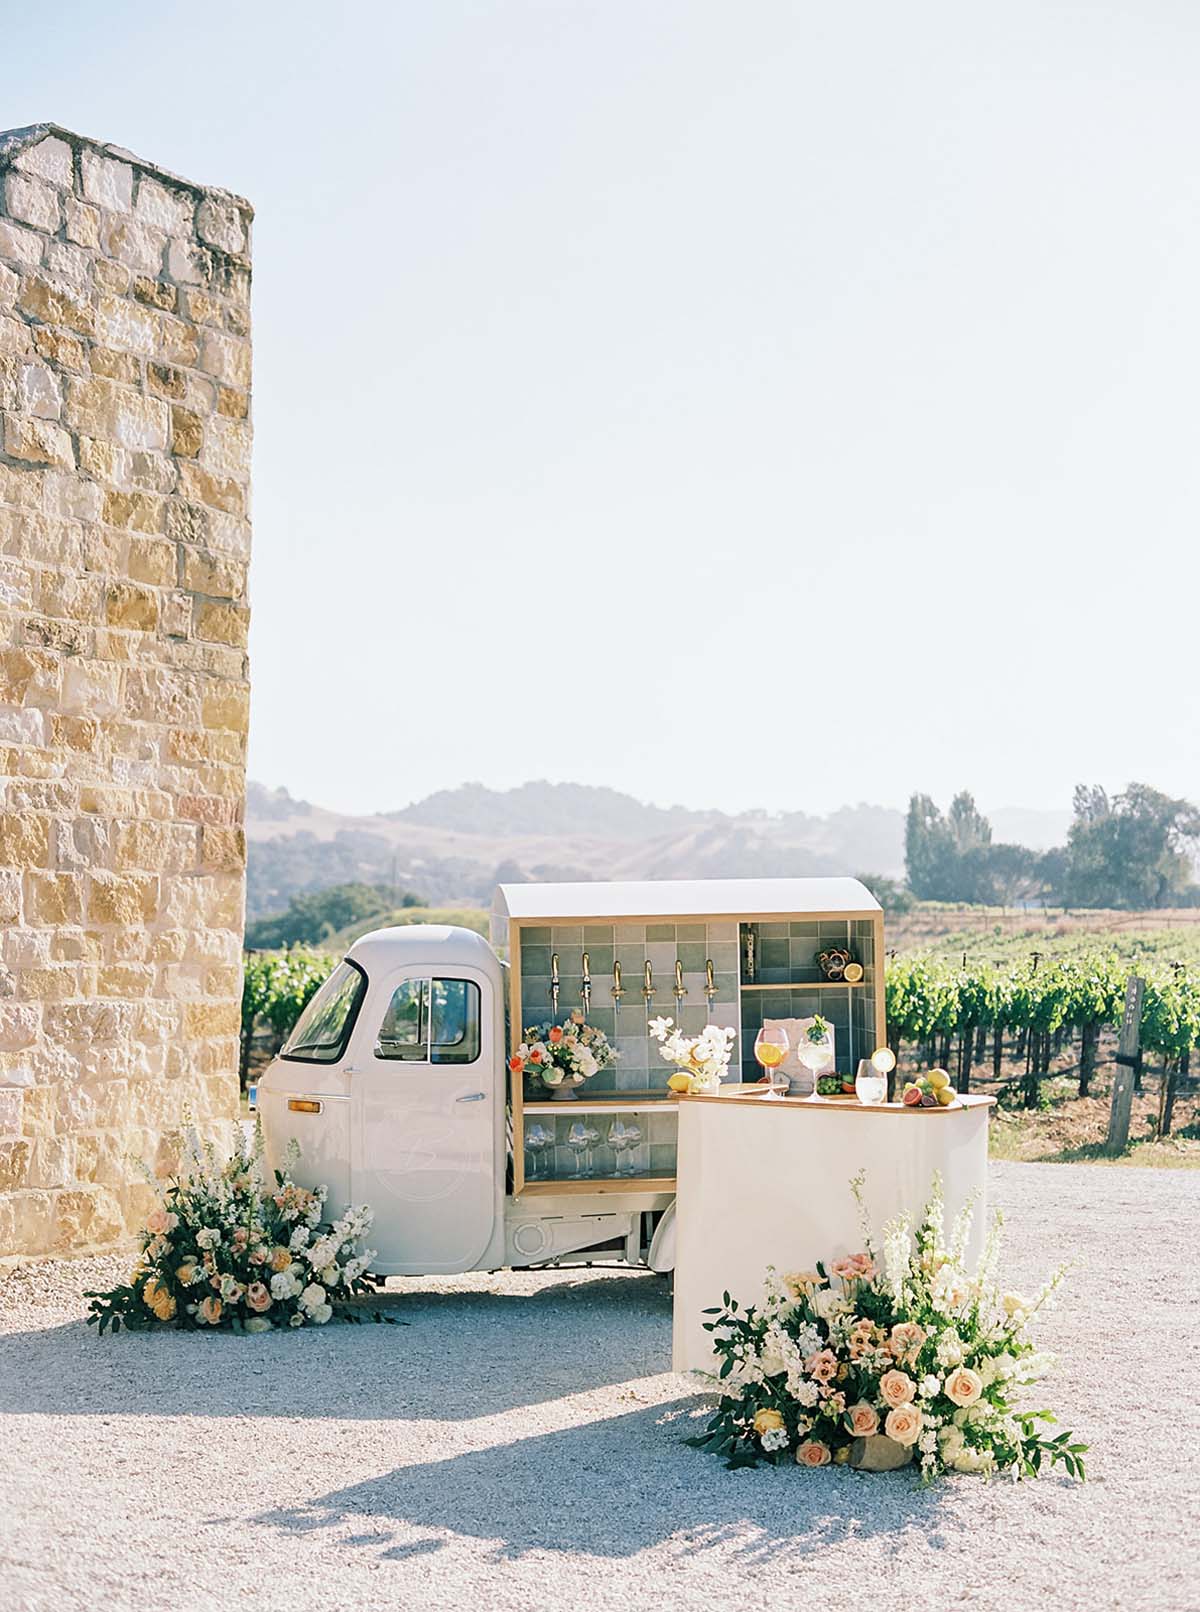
[(585, 986), (554, 985), (648, 987), (617, 992), (710, 985), (679, 989)]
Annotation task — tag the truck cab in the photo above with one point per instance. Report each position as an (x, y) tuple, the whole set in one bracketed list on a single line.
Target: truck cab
[(393, 1083)]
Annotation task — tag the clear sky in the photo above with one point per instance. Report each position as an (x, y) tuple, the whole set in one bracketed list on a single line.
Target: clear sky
[(738, 404)]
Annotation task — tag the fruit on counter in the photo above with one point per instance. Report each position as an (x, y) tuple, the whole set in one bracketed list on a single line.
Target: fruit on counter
[(829, 1085), (938, 1078), (933, 1090), (912, 1096), (679, 1082)]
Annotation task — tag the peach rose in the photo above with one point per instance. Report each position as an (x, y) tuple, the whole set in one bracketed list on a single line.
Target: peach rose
[(798, 1281), (964, 1386), (258, 1256), (210, 1310), (903, 1424), (822, 1367), (767, 1421), (159, 1222), (862, 1419), (258, 1297), (854, 1268), (185, 1274), (813, 1453), (281, 1258), (897, 1387)]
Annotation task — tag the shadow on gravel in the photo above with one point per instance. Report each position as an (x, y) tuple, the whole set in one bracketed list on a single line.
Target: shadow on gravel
[(461, 1355), (613, 1488)]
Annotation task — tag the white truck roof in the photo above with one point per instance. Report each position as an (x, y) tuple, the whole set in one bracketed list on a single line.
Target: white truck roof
[(439, 945), (683, 899)]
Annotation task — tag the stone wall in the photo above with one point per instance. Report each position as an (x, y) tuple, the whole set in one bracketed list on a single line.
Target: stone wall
[(124, 695)]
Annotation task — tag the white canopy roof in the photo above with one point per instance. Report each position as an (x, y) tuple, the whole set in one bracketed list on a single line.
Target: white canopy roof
[(684, 899)]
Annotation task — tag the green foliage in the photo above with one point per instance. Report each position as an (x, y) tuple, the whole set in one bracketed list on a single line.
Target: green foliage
[(316, 915), (1131, 851), (276, 988)]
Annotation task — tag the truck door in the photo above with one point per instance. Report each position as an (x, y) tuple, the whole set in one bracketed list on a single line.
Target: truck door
[(423, 1110)]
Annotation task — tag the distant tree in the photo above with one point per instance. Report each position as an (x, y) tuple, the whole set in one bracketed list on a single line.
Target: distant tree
[(928, 851), (969, 828), (317, 914), (1130, 851), (891, 895)]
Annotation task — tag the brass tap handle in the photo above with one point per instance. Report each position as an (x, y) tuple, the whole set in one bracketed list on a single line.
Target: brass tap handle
[(680, 988), (710, 984), (586, 970), (618, 990), (648, 981)]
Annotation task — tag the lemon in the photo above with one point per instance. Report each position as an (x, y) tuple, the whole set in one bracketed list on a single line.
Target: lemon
[(945, 1095), (938, 1078), (680, 1082)]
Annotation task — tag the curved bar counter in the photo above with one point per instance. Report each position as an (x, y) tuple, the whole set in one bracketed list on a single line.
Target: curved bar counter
[(766, 1181)]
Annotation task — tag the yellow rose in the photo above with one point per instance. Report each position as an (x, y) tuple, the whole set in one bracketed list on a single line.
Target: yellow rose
[(964, 1386), (767, 1421), (903, 1424), (281, 1258), (185, 1274), (897, 1387)]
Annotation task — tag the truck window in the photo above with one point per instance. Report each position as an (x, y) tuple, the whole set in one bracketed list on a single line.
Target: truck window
[(323, 1029), (432, 1021)]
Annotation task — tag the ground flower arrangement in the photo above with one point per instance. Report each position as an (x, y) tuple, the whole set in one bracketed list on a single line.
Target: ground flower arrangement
[(888, 1358), (226, 1250)]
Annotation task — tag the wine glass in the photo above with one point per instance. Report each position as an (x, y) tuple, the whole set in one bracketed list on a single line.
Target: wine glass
[(870, 1083), (579, 1141), (771, 1048), (593, 1140), (633, 1140), (618, 1140), (538, 1140)]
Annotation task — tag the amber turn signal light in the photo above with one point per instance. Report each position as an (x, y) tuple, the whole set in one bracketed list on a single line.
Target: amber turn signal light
[(303, 1105)]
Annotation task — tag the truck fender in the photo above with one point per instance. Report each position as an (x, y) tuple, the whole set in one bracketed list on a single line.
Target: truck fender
[(661, 1254)]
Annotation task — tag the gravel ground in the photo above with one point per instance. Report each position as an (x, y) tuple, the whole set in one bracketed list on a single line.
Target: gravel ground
[(516, 1445)]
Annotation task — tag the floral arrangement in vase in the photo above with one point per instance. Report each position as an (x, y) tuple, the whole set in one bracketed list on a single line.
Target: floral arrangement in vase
[(563, 1056), (225, 1250), (701, 1061), (873, 1361)]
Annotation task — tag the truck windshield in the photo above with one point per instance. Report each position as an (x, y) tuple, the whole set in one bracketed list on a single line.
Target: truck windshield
[(323, 1029)]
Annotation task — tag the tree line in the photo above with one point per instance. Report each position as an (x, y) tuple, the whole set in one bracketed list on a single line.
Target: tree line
[(1133, 850)]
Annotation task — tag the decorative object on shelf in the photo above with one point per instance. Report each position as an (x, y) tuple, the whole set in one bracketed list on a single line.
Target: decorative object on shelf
[(853, 973), (929, 1091), (870, 1083), (585, 984), (881, 1353), (771, 1046), (834, 960), (710, 985), (540, 1143), (554, 986), (751, 955), (702, 1060), (563, 1056), (226, 1250)]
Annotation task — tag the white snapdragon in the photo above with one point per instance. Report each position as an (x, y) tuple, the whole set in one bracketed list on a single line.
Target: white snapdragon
[(299, 1238), (803, 1390)]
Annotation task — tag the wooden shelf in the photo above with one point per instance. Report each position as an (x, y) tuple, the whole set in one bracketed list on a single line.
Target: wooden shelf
[(600, 1184), (804, 985), (629, 1102)]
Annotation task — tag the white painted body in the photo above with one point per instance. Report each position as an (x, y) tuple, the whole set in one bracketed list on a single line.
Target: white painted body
[(425, 1144), (767, 1182)]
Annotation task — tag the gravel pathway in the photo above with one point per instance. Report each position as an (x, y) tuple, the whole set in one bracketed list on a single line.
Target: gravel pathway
[(516, 1446)]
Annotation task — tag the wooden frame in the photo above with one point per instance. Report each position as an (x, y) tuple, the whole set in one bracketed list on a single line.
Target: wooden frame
[(516, 1085)]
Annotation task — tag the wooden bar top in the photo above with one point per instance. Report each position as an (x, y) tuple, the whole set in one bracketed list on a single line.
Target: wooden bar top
[(753, 1093)]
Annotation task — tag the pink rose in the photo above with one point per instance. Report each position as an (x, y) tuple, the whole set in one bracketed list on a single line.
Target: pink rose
[(903, 1424), (862, 1419), (159, 1222), (258, 1297), (897, 1387), (964, 1386), (813, 1453)]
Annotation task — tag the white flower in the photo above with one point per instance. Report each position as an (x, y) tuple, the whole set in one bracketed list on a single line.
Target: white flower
[(930, 1386), (284, 1286), (950, 1349), (928, 1441), (299, 1237), (775, 1438), (321, 1313), (297, 1319), (585, 1064), (827, 1303), (803, 1390), (658, 1028), (208, 1237), (331, 1275), (258, 1323), (312, 1296)]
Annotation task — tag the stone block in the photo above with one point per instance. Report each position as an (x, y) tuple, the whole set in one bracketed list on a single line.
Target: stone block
[(166, 381), (107, 182), (129, 980), (127, 325), (227, 450), (172, 211), (24, 840), (131, 607), (184, 263), (86, 1217), (223, 623), (50, 159), (221, 224), (132, 242), (72, 263), (226, 358), (14, 1165), (20, 245), (73, 732), (187, 433), (116, 365), (121, 898), (222, 849), (10, 896), (51, 1162), (135, 512), (179, 342), (39, 442), (83, 224), (217, 575), (91, 688), (58, 347), (54, 303), (110, 276), (31, 202), (155, 293), (10, 282), (218, 492), (39, 392), (226, 705), (152, 561), (22, 727), (19, 1024), (53, 898), (102, 408), (211, 1018)]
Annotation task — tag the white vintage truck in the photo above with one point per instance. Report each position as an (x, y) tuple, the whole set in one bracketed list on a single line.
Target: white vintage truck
[(395, 1080)]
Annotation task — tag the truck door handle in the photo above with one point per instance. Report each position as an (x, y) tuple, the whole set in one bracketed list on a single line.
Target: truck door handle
[(472, 1097)]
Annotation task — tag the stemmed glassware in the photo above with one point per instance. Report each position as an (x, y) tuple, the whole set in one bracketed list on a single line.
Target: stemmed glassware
[(633, 1140), (540, 1143), (581, 1139), (624, 1141), (771, 1048)]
